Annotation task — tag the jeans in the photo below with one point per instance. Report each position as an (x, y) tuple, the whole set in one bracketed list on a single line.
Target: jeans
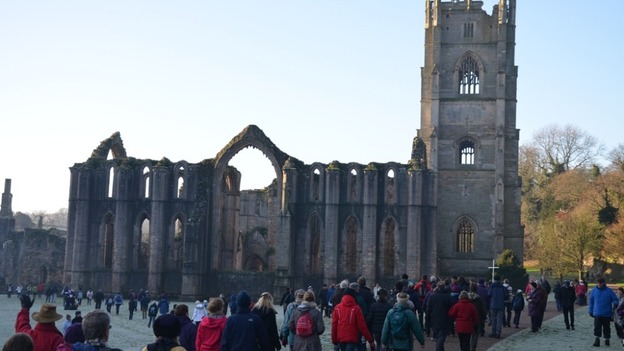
[(497, 321), (440, 336), (349, 346), (517, 314), (569, 321)]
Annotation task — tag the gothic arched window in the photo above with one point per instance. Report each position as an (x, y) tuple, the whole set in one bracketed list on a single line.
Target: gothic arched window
[(465, 236), (466, 153), (469, 77)]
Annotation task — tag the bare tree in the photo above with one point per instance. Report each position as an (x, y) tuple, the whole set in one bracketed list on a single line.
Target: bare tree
[(616, 156), (563, 148)]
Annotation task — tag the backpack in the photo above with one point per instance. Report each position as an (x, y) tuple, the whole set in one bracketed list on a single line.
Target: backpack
[(305, 325), (153, 310), (398, 325)]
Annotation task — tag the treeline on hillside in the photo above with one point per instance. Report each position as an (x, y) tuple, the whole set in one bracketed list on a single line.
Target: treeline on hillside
[(570, 204)]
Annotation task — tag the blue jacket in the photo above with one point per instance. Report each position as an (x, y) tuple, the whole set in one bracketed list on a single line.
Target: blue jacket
[(601, 301), (245, 331), (497, 294)]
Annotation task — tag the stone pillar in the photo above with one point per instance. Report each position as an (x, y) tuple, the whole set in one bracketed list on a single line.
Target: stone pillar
[(158, 237), (415, 250), (123, 231), (332, 231), (5, 206), (71, 230), (369, 224), (285, 243), (79, 237)]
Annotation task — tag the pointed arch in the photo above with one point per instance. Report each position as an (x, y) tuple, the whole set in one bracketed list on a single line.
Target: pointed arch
[(112, 144), (390, 185), (178, 251), (354, 181), (466, 150), (141, 241), (180, 176), (317, 176), (465, 230), (389, 245), (108, 239), (314, 233), (469, 71), (145, 184)]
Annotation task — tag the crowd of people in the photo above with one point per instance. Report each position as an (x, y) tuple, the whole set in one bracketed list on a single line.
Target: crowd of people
[(361, 318)]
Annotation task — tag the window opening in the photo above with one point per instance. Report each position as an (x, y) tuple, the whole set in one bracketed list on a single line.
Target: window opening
[(466, 153), (465, 236), (469, 77), (146, 178), (111, 181), (468, 30)]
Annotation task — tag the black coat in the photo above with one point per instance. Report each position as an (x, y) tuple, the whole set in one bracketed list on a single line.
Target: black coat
[(440, 302), (268, 319), (377, 316), (568, 296)]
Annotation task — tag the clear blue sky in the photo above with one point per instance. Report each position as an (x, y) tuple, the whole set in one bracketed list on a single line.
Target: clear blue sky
[(325, 80)]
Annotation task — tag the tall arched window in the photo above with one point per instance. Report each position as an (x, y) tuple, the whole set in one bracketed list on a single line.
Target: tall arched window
[(465, 236), (466, 153), (111, 181), (469, 76), (146, 182), (350, 245)]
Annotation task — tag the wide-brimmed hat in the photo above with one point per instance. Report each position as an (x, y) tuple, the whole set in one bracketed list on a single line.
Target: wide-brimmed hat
[(47, 314)]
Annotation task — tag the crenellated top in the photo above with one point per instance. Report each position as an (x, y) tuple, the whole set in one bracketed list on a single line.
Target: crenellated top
[(504, 11)]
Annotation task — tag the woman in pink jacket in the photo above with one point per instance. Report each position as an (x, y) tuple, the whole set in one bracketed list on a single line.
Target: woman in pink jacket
[(211, 327)]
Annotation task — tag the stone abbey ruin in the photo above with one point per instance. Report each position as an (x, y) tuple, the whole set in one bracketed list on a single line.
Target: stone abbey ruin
[(187, 229)]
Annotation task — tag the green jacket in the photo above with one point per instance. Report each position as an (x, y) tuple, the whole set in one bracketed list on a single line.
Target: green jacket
[(412, 324)]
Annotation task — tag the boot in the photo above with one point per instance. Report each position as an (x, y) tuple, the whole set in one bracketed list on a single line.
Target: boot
[(607, 342), (596, 342)]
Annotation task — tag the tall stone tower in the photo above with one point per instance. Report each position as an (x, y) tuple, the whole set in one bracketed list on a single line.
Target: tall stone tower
[(468, 124)]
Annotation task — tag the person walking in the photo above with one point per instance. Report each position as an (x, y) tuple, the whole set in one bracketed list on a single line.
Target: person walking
[(377, 315), (307, 324), (518, 305), (244, 331), (211, 327), (498, 294), (466, 320), (348, 324), (438, 306), (535, 307), (400, 323), (266, 311), (118, 302), (567, 297), (618, 315), (601, 302)]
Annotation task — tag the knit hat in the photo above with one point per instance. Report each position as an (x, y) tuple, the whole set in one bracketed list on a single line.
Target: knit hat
[(74, 333), (243, 299), (47, 314), (481, 281), (167, 325), (402, 298)]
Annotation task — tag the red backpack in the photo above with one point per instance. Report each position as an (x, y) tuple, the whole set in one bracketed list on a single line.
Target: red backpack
[(305, 325)]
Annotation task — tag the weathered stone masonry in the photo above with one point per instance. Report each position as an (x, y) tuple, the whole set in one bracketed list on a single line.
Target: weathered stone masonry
[(451, 208)]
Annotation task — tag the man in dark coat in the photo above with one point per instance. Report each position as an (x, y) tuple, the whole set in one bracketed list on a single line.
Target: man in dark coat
[(244, 330), (98, 298), (188, 329), (365, 292), (377, 315), (568, 296), (438, 306)]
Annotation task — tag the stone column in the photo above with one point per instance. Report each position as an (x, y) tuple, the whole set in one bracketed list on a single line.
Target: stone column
[(332, 231), (415, 250), (123, 231), (78, 236), (158, 237), (369, 224)]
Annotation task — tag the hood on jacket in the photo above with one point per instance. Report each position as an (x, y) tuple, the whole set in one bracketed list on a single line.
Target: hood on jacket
[(306, 306), (200, 306), (348, 300)]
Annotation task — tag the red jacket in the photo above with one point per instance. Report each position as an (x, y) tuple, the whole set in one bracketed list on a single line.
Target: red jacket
[(466, 316), (209, 333), (348, 322), (45, 335)]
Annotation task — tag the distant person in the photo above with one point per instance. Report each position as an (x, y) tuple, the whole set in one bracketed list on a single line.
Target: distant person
[(152, 312), (19, 342), (199, 312), (45, 335)]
